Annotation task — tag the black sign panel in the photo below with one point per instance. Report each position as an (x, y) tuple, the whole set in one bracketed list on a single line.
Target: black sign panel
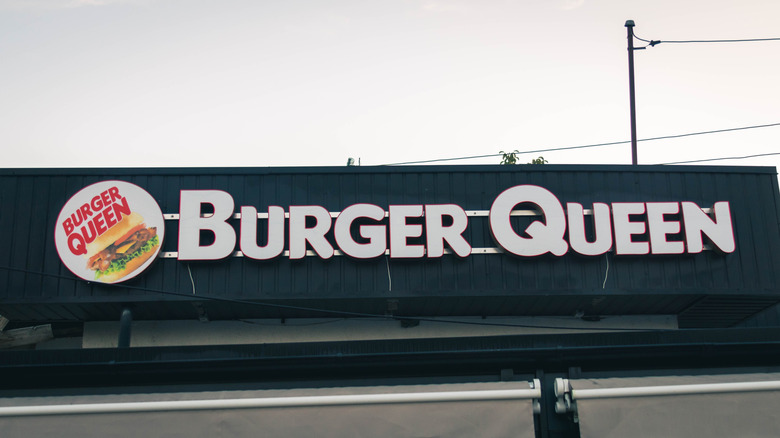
[(419, 264)]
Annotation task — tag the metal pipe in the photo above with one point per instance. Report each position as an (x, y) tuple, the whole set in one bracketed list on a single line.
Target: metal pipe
[(125, 321), (631, 96), (273, 402), (693, 389)]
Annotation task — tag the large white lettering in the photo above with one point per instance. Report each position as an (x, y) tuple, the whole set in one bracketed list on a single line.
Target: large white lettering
[(300, 233), (401, 231), (366, 231), (375, 234), (719, 230), (192, 223), (437, 233), (660, 228), (625, 228), (543, 237), (275, 237), (602, 229)]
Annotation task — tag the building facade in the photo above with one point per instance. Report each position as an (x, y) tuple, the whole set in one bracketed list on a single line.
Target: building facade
[(397, 301)]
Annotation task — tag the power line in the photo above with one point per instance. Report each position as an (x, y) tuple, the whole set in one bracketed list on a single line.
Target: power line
[(665, 137), (653, 43), (723, 158), (714, 131), (442, 159), (499, 154)]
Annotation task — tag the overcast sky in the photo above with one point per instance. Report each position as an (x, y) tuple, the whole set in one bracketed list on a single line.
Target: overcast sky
[(118, 83)]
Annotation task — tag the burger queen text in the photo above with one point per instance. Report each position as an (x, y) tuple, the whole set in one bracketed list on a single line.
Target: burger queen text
[(627, 228), (94, 218)]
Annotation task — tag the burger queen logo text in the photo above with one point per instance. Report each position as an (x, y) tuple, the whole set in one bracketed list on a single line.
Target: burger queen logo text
[(365, 231), (109, 232)]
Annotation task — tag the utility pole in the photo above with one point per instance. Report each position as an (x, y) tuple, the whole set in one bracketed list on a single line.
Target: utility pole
[(631, 98)]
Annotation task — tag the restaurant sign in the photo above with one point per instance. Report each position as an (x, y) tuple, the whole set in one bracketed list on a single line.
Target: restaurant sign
[(111, 231)]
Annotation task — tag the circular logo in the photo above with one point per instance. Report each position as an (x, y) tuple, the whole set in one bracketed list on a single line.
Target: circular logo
[(109, 232)]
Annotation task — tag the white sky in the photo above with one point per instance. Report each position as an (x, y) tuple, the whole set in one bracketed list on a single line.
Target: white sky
[(118, 83)]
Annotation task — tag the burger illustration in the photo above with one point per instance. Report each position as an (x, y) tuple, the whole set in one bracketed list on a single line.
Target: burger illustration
[(122, 249)]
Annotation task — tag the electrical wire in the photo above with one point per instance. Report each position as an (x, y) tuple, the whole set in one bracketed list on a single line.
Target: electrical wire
[(341, 312), (191, 279), (389, 279), (714, 131), (653, 43), (723, 158), (665, 137), (442, 159)]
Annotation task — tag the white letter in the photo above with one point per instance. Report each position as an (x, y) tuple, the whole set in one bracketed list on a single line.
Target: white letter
[(315, 235), (376, 234), (659, 228), (191, 224), (624, 228), (248, 240), (602, 227), (437, 233), (545, 237), (719, 231), (400, 231)]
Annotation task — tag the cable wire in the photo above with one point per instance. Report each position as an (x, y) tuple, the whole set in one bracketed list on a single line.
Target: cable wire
[(442, 159), (723, 158), (665, 137), (653, 43), (338, 312)]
